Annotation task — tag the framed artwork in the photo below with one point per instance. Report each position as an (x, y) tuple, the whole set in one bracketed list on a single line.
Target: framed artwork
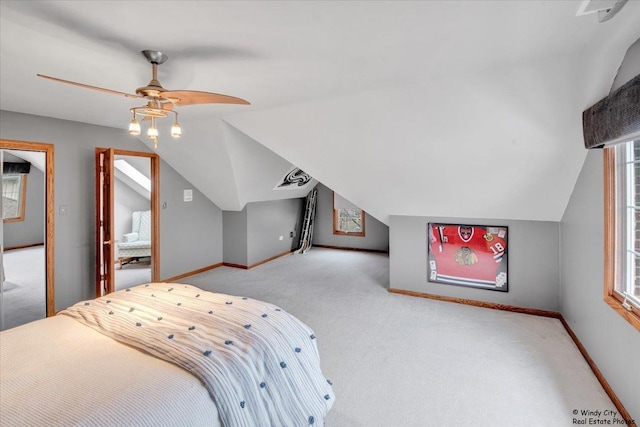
[(468, 255)]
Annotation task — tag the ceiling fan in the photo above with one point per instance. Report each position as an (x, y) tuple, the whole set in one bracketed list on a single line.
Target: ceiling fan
[(160, 101)]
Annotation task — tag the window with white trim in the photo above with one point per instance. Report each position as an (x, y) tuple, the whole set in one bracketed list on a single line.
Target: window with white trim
[(622, 230)]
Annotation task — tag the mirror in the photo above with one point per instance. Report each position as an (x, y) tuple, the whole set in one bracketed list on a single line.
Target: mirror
[(24, 237)]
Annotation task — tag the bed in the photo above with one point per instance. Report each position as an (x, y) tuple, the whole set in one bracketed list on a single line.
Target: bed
[(163, 354)]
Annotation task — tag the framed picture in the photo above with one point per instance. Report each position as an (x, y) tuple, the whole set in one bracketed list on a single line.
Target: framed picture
[(468, 255)]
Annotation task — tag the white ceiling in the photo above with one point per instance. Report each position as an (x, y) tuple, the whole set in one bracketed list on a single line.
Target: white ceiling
[(464, 108)]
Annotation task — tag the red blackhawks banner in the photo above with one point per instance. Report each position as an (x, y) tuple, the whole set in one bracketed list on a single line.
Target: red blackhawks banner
[(468, 255)]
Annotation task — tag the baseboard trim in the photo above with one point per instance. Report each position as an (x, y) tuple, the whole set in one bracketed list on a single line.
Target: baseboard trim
[(271, 259), (492, 305), (624, 414), (376, 251), (230, 264), (191, 273), (31, 245), (247, 267)]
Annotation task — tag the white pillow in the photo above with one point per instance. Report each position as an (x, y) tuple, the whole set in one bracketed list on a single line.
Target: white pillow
[(130, 237)]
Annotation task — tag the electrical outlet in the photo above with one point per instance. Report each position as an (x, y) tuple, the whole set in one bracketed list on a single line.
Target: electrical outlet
[(281, 238), (164, 205)]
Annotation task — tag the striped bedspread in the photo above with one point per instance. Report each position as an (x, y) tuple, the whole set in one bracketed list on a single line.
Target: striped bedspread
[(259, 363)]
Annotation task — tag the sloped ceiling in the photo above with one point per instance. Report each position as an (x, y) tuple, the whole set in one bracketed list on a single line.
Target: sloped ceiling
[(37, 159), (142, 165), (465, 108)]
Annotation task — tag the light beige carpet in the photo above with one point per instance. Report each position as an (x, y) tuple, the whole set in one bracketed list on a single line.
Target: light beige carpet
[(400, 361), (24, 290)]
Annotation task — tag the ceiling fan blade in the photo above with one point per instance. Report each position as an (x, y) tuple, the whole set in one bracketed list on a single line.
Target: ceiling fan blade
[(115, 92), (190, 97)]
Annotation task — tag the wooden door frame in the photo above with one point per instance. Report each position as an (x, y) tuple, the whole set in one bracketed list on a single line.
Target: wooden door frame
[(155, 211), (49, 241), (104, 183)]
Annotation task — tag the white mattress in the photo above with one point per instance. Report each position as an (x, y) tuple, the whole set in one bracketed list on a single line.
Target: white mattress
[(58, 372)]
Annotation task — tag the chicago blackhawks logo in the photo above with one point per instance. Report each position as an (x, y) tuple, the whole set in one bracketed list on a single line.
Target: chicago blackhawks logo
[(295, 178), (465, 232), (465, 256)]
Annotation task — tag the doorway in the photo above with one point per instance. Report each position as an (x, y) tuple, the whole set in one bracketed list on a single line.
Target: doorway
[(26, 233), (127, 219)]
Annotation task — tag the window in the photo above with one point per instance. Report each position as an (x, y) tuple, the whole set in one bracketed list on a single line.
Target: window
[(348, 219), (133, 173), (14, 190), (622, 230)]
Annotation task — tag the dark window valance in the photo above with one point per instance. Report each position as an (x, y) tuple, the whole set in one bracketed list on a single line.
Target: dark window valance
[(10, 167), (614, 119)]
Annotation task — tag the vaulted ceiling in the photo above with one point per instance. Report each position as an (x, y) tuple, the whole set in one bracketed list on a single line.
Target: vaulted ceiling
[(464, 108)]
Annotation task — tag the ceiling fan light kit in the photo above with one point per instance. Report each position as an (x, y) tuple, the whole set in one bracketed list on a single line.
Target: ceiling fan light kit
[(152, 111), (134, 126), (152, 133), (160, 101)]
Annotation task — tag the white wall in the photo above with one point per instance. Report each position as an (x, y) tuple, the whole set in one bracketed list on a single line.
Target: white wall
[(612, 343), (533, 257)]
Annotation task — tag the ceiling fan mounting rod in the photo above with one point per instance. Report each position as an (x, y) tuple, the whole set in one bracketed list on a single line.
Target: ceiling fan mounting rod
[(154, 56)]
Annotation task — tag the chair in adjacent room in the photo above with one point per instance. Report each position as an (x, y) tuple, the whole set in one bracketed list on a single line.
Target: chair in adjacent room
[(137, 244)]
